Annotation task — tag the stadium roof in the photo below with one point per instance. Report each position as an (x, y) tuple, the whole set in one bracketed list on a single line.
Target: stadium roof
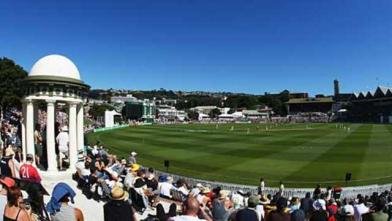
[(310, 100), (380, 91)]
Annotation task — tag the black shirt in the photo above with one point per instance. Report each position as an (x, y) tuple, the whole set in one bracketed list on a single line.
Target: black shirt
[(118, 210)]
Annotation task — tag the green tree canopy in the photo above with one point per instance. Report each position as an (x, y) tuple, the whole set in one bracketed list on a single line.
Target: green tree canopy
[(193, 115), (214, 113), (11, 76), (98, 110)]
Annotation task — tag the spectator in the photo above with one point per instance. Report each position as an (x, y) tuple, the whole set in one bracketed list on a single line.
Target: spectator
[(6, 164), (332, 210), (182, 186), (319, 213), (132, 158), (151, 181), (238, 199), (296, 213), (131, 175), (13, 164), (191, 212), (165, 187), (280, 214), (317, 192), (306, 204), (118, 208), (249, 213), (379, 214), (360, 209), (63, 143), (59, 207), (13, 211), (162, 216), (389, 208), (281, 188), (348, 208), (38, 144), (261, 188), (28, 172), (221, 206), (5, 184)]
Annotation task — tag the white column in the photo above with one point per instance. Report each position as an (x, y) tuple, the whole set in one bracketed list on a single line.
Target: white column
[(50, 133), (80, 128), (23, 124), (30, 127), (72, 118)]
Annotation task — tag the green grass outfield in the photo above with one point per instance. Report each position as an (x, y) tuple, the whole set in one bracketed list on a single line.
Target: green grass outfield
[(301, 155)]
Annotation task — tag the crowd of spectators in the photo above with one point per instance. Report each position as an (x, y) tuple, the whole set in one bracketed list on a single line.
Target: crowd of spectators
[(129, 189), (21, 191)]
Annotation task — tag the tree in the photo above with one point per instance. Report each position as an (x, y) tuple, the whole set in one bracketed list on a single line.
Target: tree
[(98, 110), (11, 76), (214, 113), (193, 115)]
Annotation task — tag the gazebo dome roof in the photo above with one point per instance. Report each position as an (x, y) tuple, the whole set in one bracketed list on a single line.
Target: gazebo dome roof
[(55, 66)]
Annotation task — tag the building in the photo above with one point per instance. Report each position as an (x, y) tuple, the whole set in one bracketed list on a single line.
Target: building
[(308, 105), (371, 106), (123, 99), (169, 113), (298, 95), (203, 109), (54, 80), (140, 110), (165, 101), (254, 115)]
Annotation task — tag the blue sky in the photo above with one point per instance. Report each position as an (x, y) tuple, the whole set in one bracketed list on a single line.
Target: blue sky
[(240, 46)]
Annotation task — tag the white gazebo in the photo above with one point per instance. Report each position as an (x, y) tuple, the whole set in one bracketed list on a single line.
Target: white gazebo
[(54, 79)]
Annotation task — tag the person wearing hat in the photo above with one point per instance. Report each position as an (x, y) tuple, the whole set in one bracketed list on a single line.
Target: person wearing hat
[(63, 143), (59, 207), (249, 213), (131, 175), (132, 158), (165, 187), (5, 184), (221, 206), (118, 207), (319, 211), (7, 165)]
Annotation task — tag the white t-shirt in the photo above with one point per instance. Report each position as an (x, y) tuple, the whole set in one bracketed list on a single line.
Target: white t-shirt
[(63, 140), (164, 188), (184, 190), (349, 210), (129, 179), (359, 210), (16, 168), (185, 218)]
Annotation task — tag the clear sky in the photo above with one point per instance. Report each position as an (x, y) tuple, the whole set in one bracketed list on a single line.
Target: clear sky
[(240, 46)]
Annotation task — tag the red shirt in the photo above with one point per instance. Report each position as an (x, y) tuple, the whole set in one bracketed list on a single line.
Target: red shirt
[(30, 173)]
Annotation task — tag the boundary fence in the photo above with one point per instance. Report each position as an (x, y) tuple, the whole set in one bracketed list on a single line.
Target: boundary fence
[(347, 192)]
